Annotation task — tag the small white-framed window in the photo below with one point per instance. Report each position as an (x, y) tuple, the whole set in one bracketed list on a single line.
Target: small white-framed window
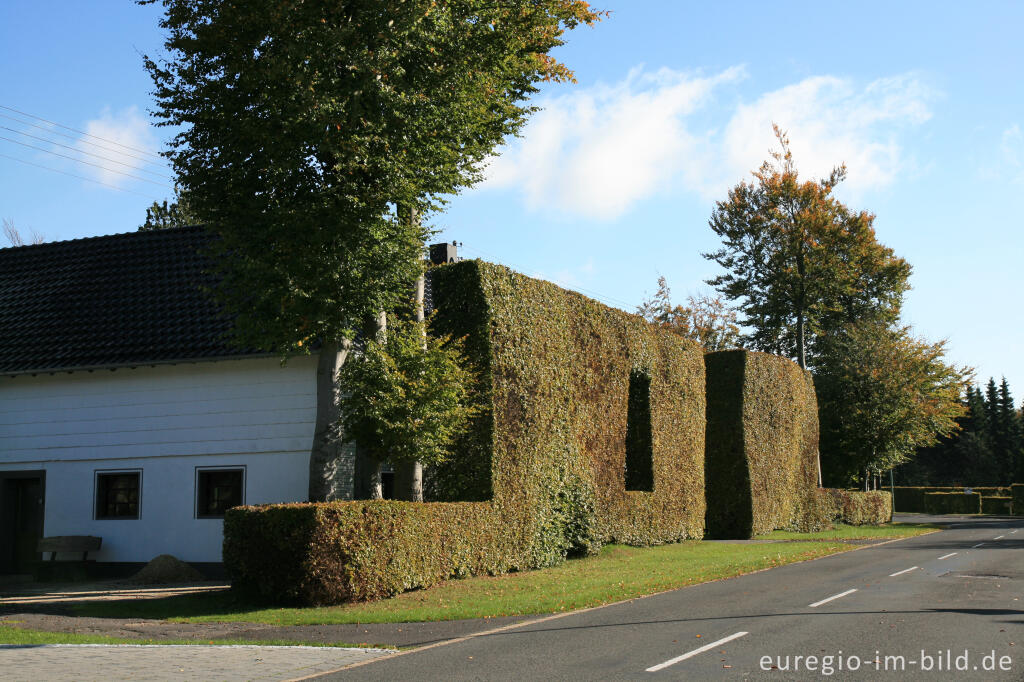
[(117, 494), (218, 489)]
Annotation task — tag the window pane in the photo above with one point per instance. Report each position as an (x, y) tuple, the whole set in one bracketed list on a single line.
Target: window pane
[(117, 496), (218, 491)]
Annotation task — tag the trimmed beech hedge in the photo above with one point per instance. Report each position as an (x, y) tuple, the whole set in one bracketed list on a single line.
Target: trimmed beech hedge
[(551, 452), (952, 503), (332, 552), (761, 445), (1018, 498), (860, 508), (1002, 506), (821, 507), (541, 474)]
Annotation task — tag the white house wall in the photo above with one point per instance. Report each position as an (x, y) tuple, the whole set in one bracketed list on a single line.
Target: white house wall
[(164, 421)]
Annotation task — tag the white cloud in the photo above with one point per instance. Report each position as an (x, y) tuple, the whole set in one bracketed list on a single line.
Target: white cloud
[(125, 140), (597, 151), (830, 122)]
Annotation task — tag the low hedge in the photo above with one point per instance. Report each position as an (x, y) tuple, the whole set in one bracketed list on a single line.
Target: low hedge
[(952, 503), (1003, 506), (822, 507), (332, 552), (1018, 498), (860, 508), (761, 444)]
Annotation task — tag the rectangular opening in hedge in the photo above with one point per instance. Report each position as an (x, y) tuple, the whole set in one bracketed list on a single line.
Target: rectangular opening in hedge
[(639, 445)]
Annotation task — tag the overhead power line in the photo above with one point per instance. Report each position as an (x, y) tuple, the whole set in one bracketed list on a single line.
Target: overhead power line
[(80, 132), (82, 151), (80, 177), (78, 138), (88, 163)]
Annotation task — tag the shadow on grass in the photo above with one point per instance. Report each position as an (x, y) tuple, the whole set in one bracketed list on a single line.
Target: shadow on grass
[(227, 603)]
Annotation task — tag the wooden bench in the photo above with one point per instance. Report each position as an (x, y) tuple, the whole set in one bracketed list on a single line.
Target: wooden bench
[(69, 543)]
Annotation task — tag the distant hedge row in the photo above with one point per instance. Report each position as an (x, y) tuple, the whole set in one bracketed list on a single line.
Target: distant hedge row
[(761, 444), (1018, 498), (1001, 506), (912, 498), (952, 503)]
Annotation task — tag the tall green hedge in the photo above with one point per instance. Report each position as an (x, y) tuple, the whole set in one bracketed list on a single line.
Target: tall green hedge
[(761, 445), (952, 503), (541, 474), (1017, 493), (558, 367)]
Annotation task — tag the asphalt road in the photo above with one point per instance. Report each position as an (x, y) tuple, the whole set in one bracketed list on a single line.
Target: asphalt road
[(947, 605)]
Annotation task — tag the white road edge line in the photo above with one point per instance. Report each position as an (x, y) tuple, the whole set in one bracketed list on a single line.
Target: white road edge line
[(999, 538), (834, 596), (905, 570), (978, 545), (690, 654), (947, 556)]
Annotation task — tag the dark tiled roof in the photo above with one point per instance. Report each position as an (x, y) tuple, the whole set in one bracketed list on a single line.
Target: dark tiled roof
[(109, 301)]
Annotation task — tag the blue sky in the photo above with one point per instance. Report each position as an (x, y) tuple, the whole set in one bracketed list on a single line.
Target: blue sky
[(613, 181)]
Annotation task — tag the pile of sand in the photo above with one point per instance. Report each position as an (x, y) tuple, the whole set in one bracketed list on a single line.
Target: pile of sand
[(167, 569)]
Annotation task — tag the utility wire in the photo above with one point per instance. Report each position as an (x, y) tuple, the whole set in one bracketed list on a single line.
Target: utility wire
[(80, 132), (80, 177), (82, 151), (593, 294), (77, 138), (88, 163)]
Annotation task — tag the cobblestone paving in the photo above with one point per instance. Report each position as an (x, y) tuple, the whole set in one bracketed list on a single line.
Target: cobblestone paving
[(108, 663)]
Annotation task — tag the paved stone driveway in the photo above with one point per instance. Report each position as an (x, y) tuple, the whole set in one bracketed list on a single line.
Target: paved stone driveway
[(108, 663)]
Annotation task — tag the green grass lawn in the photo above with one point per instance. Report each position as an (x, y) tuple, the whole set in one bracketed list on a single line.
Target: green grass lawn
[(618, 572), (9, 634), (844, 532)]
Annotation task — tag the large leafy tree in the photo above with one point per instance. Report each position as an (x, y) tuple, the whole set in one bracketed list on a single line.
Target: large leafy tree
[(312, 136), (893, 392), (799, 261), (302, 125)]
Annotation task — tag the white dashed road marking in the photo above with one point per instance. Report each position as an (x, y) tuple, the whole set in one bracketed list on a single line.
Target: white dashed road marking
[(828, 599), (948, 555), (690, 654), (905, 570)]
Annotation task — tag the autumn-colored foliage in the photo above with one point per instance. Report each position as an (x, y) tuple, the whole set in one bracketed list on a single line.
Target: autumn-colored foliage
[(798, 261)]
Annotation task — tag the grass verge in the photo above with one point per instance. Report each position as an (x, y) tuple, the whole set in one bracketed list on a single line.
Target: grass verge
[(10, 634), (617, 573), (842, 531)]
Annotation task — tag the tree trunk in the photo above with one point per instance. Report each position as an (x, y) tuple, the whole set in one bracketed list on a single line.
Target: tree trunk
[(801, 353), (370, 459), (329, 474), (409, 475)]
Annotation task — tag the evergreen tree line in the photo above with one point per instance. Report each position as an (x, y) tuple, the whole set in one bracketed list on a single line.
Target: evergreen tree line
[(988, 449)]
